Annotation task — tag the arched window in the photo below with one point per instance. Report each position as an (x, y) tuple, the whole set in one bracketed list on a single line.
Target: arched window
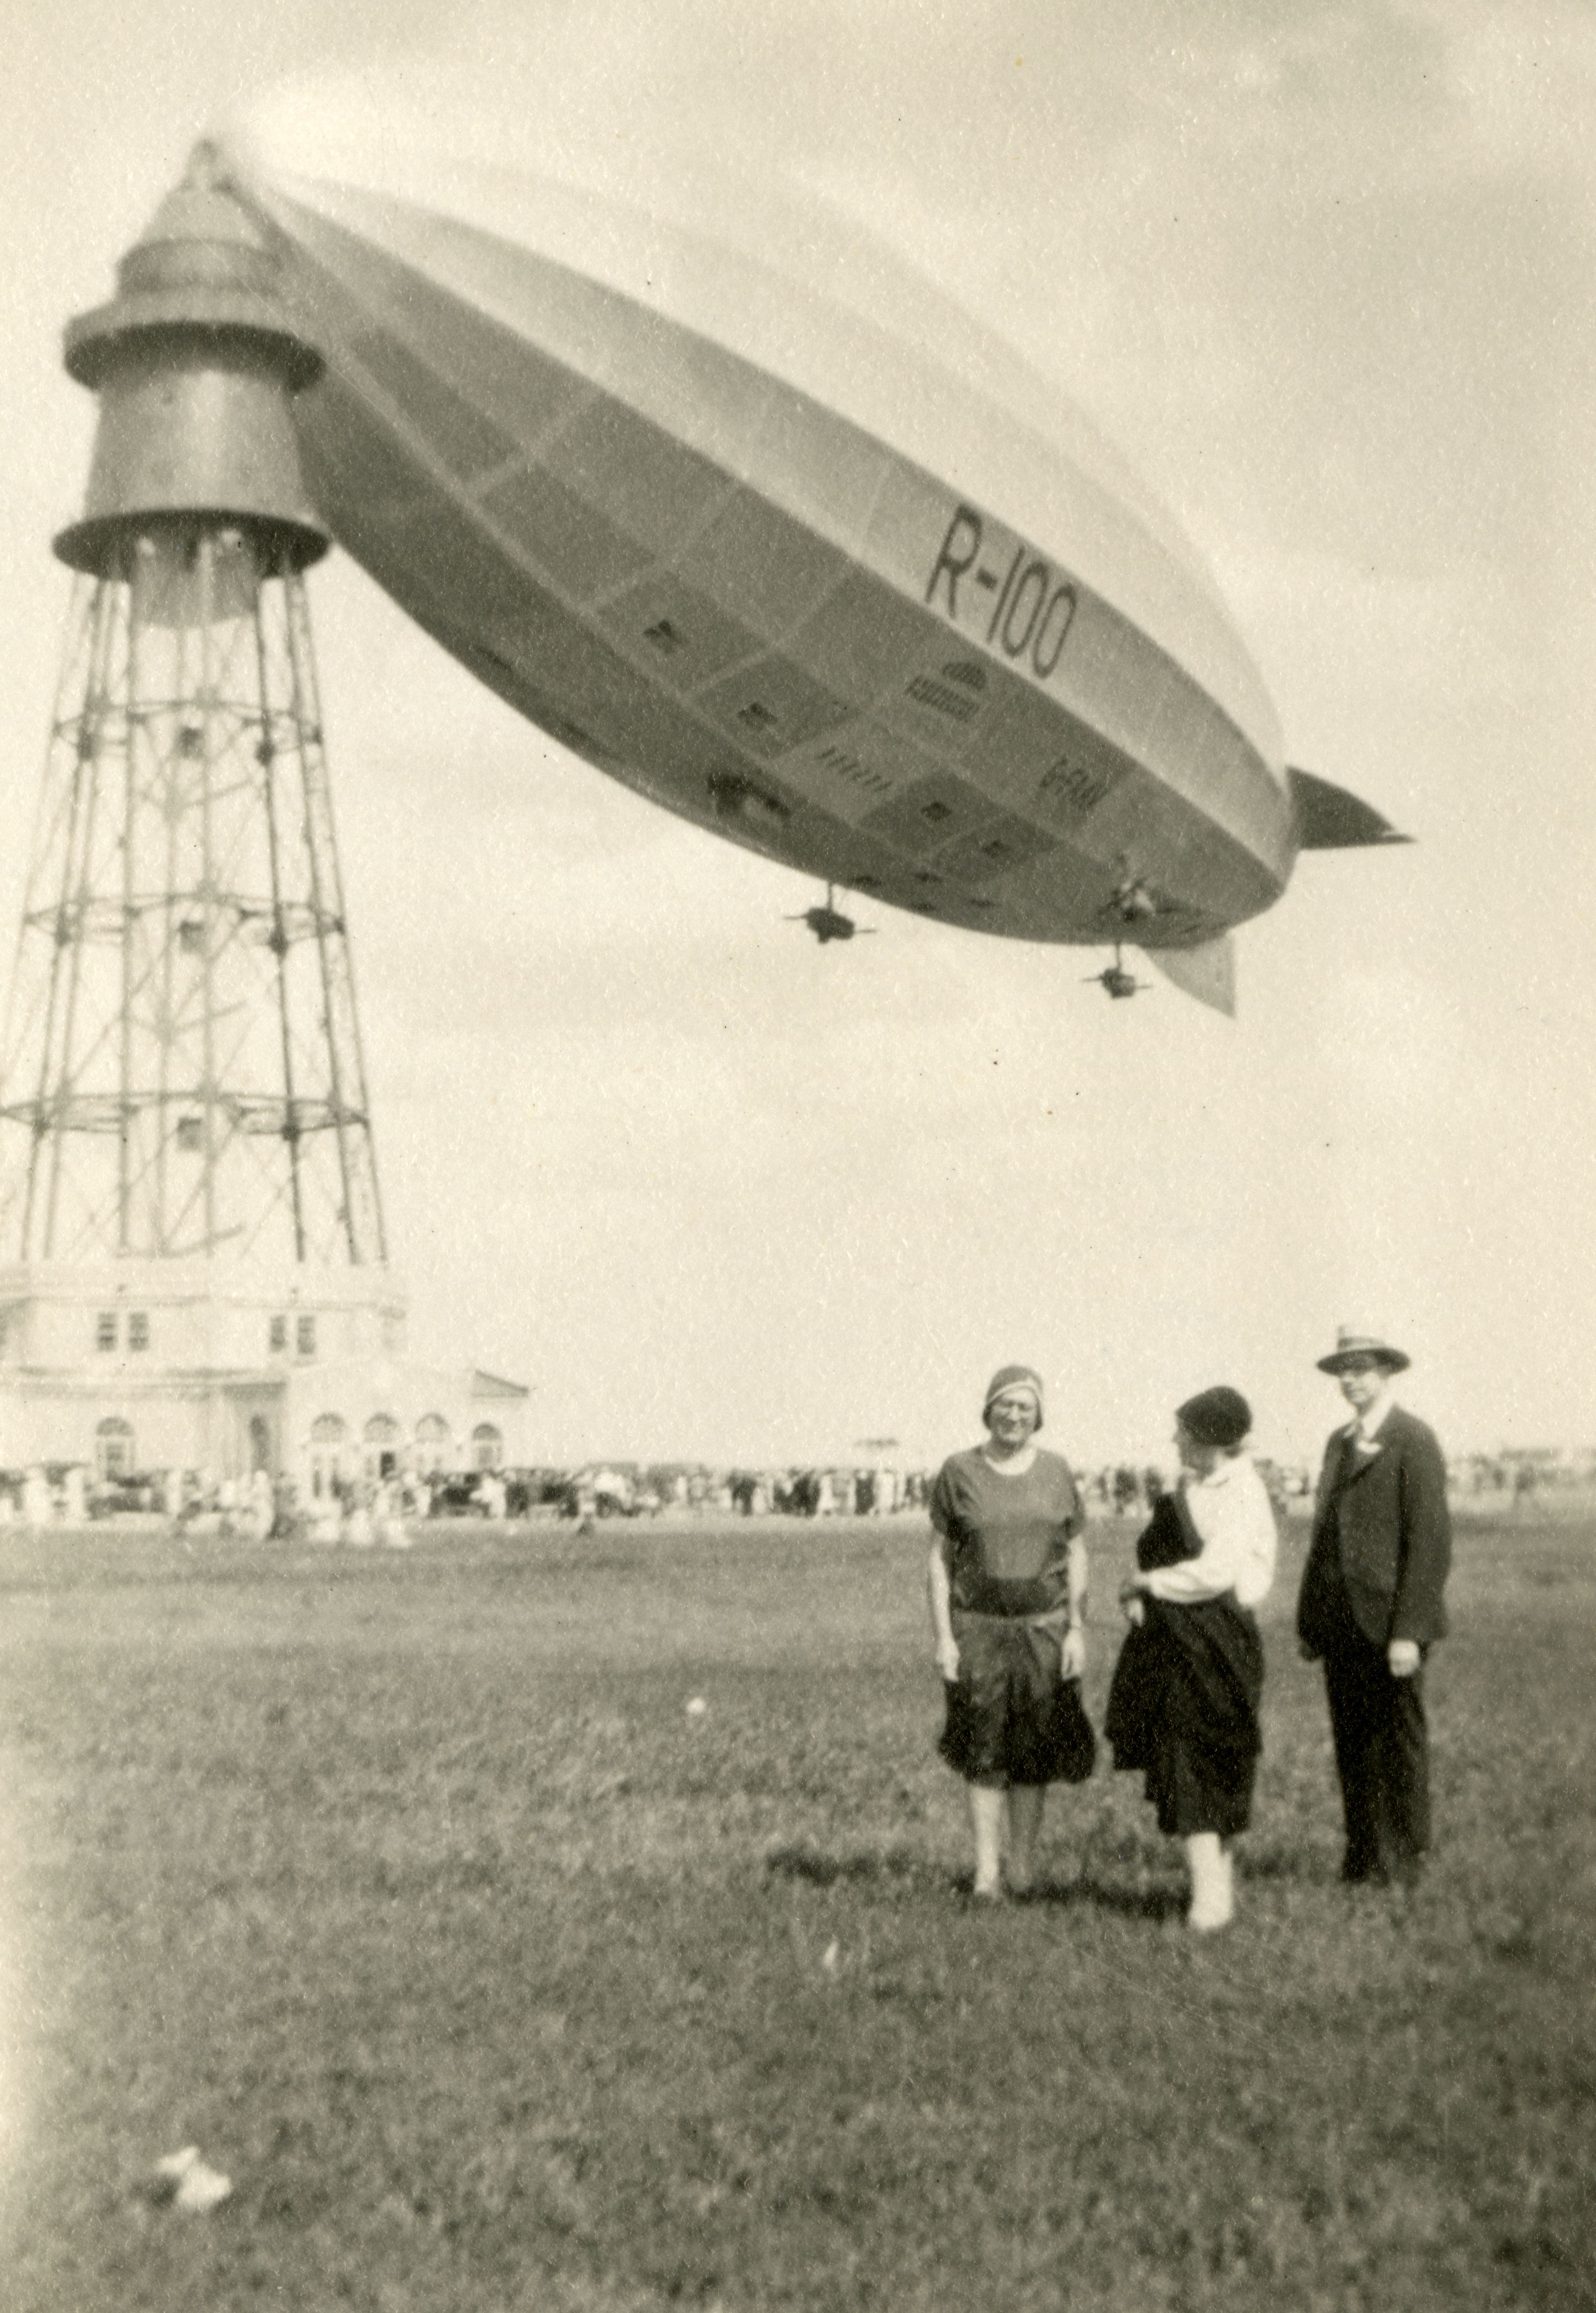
[(328, 1432), (381, 1446), (434, 1444), (487, 1446), (113, 1449)]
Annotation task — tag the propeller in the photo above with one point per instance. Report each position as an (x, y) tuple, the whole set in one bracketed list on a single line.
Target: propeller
[(828, 923), (1115, 978)]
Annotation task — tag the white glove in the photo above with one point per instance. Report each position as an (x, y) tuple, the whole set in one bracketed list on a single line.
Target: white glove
[(1402, 1657), (1073, 1654), (947, 1659)]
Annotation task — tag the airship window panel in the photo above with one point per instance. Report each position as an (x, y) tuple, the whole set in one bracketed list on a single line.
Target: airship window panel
[(455, 432), (996, 848), (582, 553), (569, 681), (628, 468), (936, 812), (682, 636), (773, 707), (759, 563)]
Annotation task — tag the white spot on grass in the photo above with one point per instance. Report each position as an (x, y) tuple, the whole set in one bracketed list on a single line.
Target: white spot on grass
[(184, 2181), (698, 1707), (831, 1957)]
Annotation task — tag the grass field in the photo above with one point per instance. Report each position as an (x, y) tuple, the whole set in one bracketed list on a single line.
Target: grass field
[(406, 1887)]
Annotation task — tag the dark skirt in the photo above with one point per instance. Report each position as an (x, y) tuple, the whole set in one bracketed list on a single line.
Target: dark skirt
[(1183, 1710), (1012, 1718)]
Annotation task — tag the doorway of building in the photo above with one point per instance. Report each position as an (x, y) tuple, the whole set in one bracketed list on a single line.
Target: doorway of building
[(328, 1433), (113, 1449), (382, 1446)]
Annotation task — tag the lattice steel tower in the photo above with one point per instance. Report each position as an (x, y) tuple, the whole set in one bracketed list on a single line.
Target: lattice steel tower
[(182, 1050)]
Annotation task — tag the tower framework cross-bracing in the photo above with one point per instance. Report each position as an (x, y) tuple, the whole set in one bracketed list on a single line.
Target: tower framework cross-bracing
[(182, 1047)]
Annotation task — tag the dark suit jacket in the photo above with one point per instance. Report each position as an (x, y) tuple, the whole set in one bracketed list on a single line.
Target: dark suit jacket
[(1382, 1538)]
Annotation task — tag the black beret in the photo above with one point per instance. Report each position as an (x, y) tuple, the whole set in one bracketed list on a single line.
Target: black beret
[(1215, 1417)]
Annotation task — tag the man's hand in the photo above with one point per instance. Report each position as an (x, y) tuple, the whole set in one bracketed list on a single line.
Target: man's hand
[(1402, 1657), (947, 1658), (1073, 1654)]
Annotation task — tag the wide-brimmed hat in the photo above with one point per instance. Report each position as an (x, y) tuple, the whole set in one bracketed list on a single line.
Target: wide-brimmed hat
[(1013, 1378), (1353, 1347)]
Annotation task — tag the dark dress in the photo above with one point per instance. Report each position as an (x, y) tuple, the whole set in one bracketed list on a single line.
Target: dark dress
[(1006, 1542), (1184, 1702)]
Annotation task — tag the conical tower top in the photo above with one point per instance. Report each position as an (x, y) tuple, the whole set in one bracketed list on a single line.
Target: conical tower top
[(196, 359)]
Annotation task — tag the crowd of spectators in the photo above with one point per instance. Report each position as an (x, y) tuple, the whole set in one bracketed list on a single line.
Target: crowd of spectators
[(361, 1508)]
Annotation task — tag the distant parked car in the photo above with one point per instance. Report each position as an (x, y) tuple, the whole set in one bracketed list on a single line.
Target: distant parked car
[(123, 1491), (459, 1495)]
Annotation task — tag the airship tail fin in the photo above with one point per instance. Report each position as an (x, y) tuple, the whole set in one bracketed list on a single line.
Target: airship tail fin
[(1329, 819), (1208, 973)]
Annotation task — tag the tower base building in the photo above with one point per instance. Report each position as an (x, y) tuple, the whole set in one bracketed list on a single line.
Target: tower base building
[(154, 1367)]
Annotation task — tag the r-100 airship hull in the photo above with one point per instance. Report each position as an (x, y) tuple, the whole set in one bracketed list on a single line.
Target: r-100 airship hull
[(880, 609)]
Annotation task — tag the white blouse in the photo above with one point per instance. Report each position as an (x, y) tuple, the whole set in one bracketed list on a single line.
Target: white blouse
[(1235, 1523)]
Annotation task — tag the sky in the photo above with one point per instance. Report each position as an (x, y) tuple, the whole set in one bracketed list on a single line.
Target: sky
[(1324, 275)]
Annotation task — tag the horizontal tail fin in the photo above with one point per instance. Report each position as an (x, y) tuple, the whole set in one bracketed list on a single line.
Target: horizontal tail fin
[(1208, 973), (1329, 819)]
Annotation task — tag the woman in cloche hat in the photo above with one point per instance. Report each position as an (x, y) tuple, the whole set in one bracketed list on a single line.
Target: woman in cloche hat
[(1183, 1706), (1008, 1605)]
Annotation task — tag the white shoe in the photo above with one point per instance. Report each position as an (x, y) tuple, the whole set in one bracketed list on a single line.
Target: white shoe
[(1213, 1889)]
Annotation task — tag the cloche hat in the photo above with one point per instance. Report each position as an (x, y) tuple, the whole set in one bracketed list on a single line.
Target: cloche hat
[(1013, 1378), (1351, 1346)]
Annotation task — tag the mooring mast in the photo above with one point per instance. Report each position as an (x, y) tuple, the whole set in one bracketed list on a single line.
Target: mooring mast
[(182, 1047)]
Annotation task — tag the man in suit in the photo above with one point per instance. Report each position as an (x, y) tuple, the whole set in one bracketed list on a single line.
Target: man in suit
[(1371, 1607)]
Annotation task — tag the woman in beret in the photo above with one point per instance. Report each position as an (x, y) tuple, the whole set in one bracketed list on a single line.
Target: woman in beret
[(1183, 1706), (1008, 1607)]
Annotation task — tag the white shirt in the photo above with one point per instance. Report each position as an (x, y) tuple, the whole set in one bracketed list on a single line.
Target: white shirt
[(1363, 1428), (1231, 1510)]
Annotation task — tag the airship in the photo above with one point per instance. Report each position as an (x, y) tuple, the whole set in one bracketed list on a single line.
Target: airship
[(739, 507)]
